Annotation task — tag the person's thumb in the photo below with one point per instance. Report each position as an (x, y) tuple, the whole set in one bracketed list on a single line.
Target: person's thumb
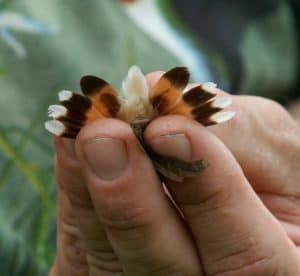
[(234, 232)]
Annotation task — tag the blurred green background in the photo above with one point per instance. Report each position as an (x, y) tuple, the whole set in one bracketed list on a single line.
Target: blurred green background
[(94, 37), (98, 37)]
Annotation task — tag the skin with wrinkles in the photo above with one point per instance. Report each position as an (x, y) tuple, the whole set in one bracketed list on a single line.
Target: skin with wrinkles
[(240, 216)]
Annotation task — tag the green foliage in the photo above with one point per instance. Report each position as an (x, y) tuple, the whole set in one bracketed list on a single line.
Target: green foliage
[(5, 3), (95, 38)]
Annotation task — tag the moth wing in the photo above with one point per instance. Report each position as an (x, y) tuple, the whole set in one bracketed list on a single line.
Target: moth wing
[(74, 112), (199, 103), (102, 95), (168, 90), (202, 104)]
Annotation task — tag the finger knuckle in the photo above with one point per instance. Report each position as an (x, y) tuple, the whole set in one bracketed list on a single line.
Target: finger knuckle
[(70, 180), (209, 202), (246, 263), (69, 174), (126, 217), (73, 250), (160, 268), (272, 114), (102, 260), (80, 198)]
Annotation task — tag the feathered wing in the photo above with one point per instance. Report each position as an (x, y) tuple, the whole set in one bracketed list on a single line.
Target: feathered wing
[(102, 95), (168, 96), (167, 92), (76, 110), (199, 103)]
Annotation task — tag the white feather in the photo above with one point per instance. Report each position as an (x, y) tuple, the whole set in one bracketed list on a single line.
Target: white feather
[(222, 117), (55, 127), (222, 102), (55, 111), (64, 95)]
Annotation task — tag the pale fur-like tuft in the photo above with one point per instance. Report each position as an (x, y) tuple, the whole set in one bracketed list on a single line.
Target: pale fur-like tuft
[(135, 100)]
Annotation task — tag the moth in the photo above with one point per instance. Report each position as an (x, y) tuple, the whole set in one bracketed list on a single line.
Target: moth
[(138, 106)]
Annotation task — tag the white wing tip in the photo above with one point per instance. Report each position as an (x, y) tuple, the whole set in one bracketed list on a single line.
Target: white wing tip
[(222, 117), (55, 111), (55, 127), (222, 102), (64, 95)]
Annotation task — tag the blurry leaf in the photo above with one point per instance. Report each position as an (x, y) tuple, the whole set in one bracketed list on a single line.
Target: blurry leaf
[(95, 38), (3, 72)]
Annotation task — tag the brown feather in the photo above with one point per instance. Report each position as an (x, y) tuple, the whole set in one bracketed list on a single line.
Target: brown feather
[(91, 85), (166, 97), (102, 95), (197, 96), (168, 90), (204, 111), (70, 132), (80, 111)]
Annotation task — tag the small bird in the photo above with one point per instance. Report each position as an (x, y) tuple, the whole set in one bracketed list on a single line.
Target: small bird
[(138, 105)]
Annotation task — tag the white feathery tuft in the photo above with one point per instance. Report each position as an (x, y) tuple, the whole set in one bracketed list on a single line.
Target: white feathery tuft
[(55, 111), (135, 98), (55, 127), (222, 117), (64, 95), (222, 102), (135, 85)]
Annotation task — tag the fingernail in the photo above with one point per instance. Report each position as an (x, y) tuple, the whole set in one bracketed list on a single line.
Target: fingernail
[(69, 146), (174, 145), (106, 157)]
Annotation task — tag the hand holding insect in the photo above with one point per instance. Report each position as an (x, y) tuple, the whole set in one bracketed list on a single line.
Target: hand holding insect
[(114, 216), (138, 106)]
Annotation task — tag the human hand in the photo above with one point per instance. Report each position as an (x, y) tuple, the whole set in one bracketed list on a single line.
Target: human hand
[(115, 219), (294, 109)]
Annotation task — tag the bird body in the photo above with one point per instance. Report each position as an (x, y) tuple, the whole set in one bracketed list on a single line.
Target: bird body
[(138, 105)]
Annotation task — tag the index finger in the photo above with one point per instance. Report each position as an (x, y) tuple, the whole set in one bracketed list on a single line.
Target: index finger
[(231, 226), (153, 77)]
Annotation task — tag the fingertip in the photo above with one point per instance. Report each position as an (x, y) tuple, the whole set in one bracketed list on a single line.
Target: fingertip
[(128, 197), (180, 135), (109, 128), (65, 152), (109, 151), (185, 139), (69, 146), (153, 77), (103, 148), (57, 141), (168, 125)]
